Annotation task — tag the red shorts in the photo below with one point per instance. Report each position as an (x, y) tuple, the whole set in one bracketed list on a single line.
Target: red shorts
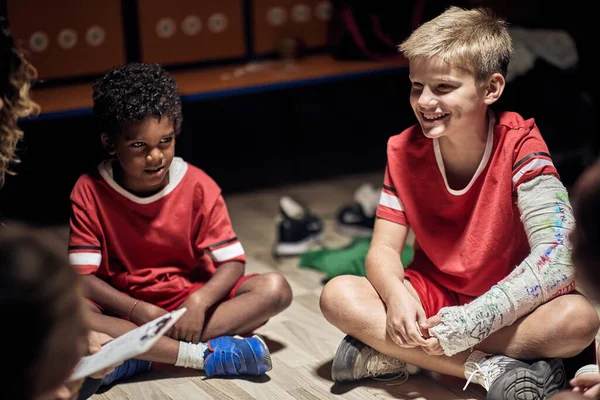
[(433, 295), (196, 286)]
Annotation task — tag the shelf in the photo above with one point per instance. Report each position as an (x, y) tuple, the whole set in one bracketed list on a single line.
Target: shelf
[(215, 82)]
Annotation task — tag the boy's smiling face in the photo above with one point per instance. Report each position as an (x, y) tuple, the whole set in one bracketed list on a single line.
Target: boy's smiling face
[(145, 151), (448, 99)]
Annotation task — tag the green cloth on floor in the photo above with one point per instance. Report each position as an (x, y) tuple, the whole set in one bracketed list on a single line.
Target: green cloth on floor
[(348, 260)]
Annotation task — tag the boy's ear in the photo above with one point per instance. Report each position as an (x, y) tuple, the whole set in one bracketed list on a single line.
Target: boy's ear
[(494, 89), (108, 143)]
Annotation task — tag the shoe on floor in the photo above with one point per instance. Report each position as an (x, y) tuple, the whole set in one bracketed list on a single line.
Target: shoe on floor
[(125, 370), (538, 381), (236, 355), (298, 230), (358, 219), (355, 360)]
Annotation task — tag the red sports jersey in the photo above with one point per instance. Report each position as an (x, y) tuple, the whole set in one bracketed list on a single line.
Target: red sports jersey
[(466, 240), (157, 249)]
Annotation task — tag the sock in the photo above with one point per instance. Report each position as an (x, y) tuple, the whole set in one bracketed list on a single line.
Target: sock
[(544, 274), (191, 355)]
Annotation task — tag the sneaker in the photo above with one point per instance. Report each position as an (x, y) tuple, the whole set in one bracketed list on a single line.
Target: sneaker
[(358, 219), (125, 370), (587, 369), (508, 379), (297, 228), (355, 360), (236, 355), (352, 221)]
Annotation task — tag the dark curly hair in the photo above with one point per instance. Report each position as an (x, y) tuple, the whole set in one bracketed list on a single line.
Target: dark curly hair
[(16, 78), (133, 93)]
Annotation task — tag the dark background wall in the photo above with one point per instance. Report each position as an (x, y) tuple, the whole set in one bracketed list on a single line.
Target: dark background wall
[(323, 129)]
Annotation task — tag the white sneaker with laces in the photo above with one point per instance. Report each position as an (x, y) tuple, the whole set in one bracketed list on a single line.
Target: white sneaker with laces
[(483, 368), (505, 378)]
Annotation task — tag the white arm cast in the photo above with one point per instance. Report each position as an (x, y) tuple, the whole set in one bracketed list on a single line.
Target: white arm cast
[(544, 274)]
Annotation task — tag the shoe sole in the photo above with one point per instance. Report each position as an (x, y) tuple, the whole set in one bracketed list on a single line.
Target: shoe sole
[(266, 356), (346, 353), (530, 384), (296, 248)]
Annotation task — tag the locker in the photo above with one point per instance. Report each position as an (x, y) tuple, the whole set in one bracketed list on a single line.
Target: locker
[(69, 38), (190, 30), (273, 20)]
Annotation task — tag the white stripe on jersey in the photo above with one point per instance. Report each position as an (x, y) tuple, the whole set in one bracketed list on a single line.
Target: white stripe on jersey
[(85, 259), (391, 201), (530, 166), (228, 252)]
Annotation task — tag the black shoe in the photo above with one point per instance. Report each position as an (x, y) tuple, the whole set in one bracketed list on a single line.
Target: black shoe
[(297, 228), (358, 219), (537, 382), (352, 221)]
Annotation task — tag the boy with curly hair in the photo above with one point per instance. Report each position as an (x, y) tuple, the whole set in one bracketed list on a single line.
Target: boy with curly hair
[(151, 233)]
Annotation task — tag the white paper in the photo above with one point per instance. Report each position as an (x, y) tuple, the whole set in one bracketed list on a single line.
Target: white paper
[(126, 346)]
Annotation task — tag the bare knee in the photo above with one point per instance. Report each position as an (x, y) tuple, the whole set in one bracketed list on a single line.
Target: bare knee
[(277, 290), (331, 296), (578, 324), (337, 297)]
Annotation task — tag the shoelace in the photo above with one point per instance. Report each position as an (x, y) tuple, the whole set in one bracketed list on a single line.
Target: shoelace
[(479, 371), (487, 372), (381, 364)]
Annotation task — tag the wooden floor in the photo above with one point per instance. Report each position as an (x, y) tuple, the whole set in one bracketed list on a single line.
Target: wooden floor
[(301, 341)]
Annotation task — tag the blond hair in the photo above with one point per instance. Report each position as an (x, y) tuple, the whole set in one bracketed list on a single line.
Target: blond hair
[(475, 40), (16, 80)]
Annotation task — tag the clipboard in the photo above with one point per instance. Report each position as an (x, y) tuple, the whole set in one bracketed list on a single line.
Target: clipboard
[(126, 346)]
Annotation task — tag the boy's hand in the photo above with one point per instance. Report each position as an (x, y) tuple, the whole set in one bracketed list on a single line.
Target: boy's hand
[(433, 347), (403, 320), (587, 384), (190, 325), (431, 322), (95, 342)]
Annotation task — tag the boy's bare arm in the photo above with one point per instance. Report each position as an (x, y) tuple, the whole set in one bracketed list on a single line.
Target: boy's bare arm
[(118, 303), (189, 328), (386, 273), (383, 266), (219, 285)]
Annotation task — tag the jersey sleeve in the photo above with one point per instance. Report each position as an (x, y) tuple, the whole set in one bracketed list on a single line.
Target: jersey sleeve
[(217, 237), (531, 159), (390, 206), (85, 247)]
